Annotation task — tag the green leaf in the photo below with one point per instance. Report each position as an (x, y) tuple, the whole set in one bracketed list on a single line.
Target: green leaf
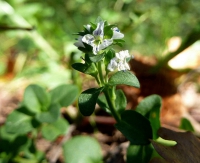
[(150, 108), (87, 100), (18, 123), (79, 67), (108, 32), (49, 116), (101, 101), (120, 101), (36, 99), (135, 127), (119, 42), (96, 58), (86, 49), (53, 130), (186, 125), (85, 68), (124, 77), (64, 95), (5, 139), (139, 153), (82, 149)]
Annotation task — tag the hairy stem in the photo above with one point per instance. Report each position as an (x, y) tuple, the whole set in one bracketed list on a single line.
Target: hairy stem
[(111, 104), (100, 72)]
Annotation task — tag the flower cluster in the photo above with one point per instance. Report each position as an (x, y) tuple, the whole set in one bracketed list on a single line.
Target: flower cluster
[(96, 39), (119, 62)]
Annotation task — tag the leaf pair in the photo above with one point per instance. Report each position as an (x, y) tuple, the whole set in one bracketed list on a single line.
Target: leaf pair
[(140, 125), (88, 99), (39, 106), (120, 102)]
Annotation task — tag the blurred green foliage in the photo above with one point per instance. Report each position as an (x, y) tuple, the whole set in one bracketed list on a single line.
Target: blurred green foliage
[(46, 42)]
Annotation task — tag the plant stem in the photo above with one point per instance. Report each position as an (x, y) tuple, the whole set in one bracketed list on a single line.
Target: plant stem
[(97, 79), (111, 105), (100, 72)]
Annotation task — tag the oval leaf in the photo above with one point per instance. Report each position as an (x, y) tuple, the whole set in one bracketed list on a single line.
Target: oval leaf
[(150, 108), (82, 149), (65, 94), (79, 67), (124, 77), (18, 123), (49, 116), (96, 58), (36, 99), (186, 125), (139, 153), (120, 101), (53, 130), (135, 127), (87, 100), (85, 68)]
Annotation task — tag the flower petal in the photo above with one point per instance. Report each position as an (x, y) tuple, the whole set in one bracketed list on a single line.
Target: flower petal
[(122, 55), (112, 65), (105, 43), (88, 39), (95, 49), (99, 30), (126, 66), (119, 61), (117, 34), (79, 43)]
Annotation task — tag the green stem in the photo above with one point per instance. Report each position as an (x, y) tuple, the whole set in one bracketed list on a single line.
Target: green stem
[(100, 72), (98, 80), (111, 105), (106, 77)]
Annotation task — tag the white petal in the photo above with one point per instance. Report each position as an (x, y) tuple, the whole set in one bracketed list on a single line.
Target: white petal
[(105, 43), (112, 65), (126, 66), (79, 43), (88, 39), (99, 30), (117, 35), (95, 49), (120, 66), (126, 53), (122, 55)]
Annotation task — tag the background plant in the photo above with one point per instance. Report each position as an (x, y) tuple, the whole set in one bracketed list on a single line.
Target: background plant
[(38, 113)]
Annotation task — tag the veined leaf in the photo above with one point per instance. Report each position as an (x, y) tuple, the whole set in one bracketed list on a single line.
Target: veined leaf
[(88, 99), (124, 77)]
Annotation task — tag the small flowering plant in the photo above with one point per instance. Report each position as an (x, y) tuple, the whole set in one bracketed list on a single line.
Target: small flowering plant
[(104, 64), (110, 69)]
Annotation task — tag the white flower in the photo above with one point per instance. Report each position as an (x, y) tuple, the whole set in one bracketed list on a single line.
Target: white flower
[(117, 34), (97, 40), (119, 61), (79, 42), (88, 39)]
